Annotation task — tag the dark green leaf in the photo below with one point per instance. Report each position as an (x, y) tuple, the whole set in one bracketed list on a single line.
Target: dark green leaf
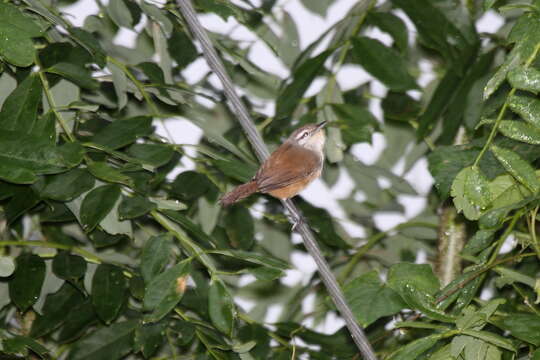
[(155, 256), (221, 307), (149, 337), (104, 172), (77, 320), (481, 240), (190, 185), (135, 206), (73, 72), (236, 169), (25, 286), (445, 163), (55, 309), (108, 291), (89, 43), (525, 327), (526, 107), (23, 156), (383, 63), (19, 111), (182, 49), (520, 131), (112, 342), (491, 338), (523, 78), (291, 94), (120, 133), (67, 186), (69, 267), (165, 291), (19, 345), (192, 228), (152, 154), (400, 106), (370, 299), (240, 228), (16, 31), (517, 167), (97, 204), (358, 123)]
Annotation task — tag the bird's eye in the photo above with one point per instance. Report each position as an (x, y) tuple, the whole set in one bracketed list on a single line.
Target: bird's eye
[(304, 135)]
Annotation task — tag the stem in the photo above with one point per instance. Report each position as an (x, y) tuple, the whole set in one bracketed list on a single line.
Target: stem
[(532, 228), (50, 100), (503, 237), (503, 110), (52, 245), (135, 82)]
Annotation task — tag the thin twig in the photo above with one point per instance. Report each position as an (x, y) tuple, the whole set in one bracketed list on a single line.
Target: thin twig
[(259, 146)]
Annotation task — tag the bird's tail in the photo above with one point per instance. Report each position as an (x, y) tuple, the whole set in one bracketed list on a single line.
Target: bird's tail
[(238, 193)]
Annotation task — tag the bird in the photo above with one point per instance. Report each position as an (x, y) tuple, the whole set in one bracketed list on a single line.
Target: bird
[(289, 169)]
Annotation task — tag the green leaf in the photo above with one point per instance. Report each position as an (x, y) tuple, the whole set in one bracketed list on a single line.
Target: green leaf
[(221, 307), (135, 206), (526, 107), (384, 63), (417, 286), (525, 78), (7, 266), (264, 260), (20, 344), (165, 291), (478, 242), (290, 96), (97, 204), (517, 167), (75, 73), (67, 186), (240, 228), (16, 33), (69, 267), (108, 291), (445, 163), (520, 131), (25, 286), (113, 342), (370, 299), (55, 309), (104, 172), (155, 256), (319, 7), (393, 25), (19, 111), (359, 123), (120, 14), (525, 327), (414, 349), (450, 33), (470, 191), (152, 154), (120, 133), (525, 35)]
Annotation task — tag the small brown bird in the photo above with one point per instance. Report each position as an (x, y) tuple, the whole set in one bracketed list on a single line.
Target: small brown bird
[(289, 169)]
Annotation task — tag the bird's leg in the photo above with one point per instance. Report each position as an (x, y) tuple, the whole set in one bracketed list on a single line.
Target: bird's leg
[(297, 220)]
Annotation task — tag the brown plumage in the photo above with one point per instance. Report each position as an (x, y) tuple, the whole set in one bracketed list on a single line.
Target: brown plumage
[(289, 169)]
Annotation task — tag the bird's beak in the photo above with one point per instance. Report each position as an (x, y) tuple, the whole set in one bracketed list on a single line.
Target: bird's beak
[(321, 125)]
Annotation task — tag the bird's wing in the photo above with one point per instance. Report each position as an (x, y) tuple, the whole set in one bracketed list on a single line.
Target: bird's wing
[(287, 165)]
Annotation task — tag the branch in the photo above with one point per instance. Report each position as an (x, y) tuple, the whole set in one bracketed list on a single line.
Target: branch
[(259, 146)]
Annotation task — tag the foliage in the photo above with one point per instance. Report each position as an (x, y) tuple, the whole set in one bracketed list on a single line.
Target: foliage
[(105, 254)]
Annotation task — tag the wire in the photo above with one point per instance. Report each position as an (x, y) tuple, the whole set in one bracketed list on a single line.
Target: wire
[(262, 153)]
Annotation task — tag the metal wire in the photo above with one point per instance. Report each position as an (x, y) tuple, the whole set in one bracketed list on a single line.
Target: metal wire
[(262, 153)]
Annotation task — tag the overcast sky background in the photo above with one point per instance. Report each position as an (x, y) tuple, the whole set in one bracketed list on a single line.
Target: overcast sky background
[(310, 26)]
